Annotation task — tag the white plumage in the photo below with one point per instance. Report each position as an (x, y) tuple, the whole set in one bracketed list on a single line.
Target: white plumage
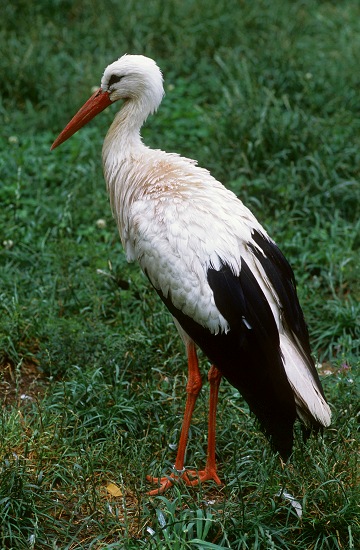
[(225, 282)]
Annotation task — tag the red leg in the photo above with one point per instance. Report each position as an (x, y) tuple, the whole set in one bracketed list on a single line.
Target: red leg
[(193, 388), (214, 377)]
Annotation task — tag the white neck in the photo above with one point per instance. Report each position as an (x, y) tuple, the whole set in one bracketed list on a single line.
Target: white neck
[(122, 151), (123, 136)]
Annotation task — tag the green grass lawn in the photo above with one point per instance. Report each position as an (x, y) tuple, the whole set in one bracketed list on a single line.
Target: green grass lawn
[(265, 95)]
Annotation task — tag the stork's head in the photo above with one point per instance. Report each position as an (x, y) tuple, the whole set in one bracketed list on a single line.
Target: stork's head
[(134, 77), (131, 77)]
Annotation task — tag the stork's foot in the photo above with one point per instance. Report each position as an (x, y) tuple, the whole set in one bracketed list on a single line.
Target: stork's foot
[(189, 477), (194, 477), (164, 482)]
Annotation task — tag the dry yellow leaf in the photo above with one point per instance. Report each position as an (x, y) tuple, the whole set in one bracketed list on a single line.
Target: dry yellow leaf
[(114, 490)]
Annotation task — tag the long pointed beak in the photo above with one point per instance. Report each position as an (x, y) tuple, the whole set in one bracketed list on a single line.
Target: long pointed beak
[(94, 105)]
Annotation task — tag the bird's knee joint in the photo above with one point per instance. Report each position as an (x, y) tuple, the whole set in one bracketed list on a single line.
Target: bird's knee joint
[(214, 375), (194, 386)]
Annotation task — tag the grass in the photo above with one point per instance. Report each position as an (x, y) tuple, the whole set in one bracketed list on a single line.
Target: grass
[(92, 370)]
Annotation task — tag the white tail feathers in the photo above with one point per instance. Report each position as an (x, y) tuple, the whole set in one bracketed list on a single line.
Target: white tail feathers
[(310, 404)]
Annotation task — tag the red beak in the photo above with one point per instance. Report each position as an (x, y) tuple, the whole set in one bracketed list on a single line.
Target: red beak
[(94, 105)]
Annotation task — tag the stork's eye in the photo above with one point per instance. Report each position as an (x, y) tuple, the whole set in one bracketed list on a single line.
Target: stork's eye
[(114, 78)]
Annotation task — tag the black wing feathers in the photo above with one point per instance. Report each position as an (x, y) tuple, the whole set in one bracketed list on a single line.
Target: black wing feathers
[(255, 366), (282, 279)]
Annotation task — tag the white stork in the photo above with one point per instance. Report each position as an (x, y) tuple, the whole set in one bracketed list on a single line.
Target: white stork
[(228, 287)]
